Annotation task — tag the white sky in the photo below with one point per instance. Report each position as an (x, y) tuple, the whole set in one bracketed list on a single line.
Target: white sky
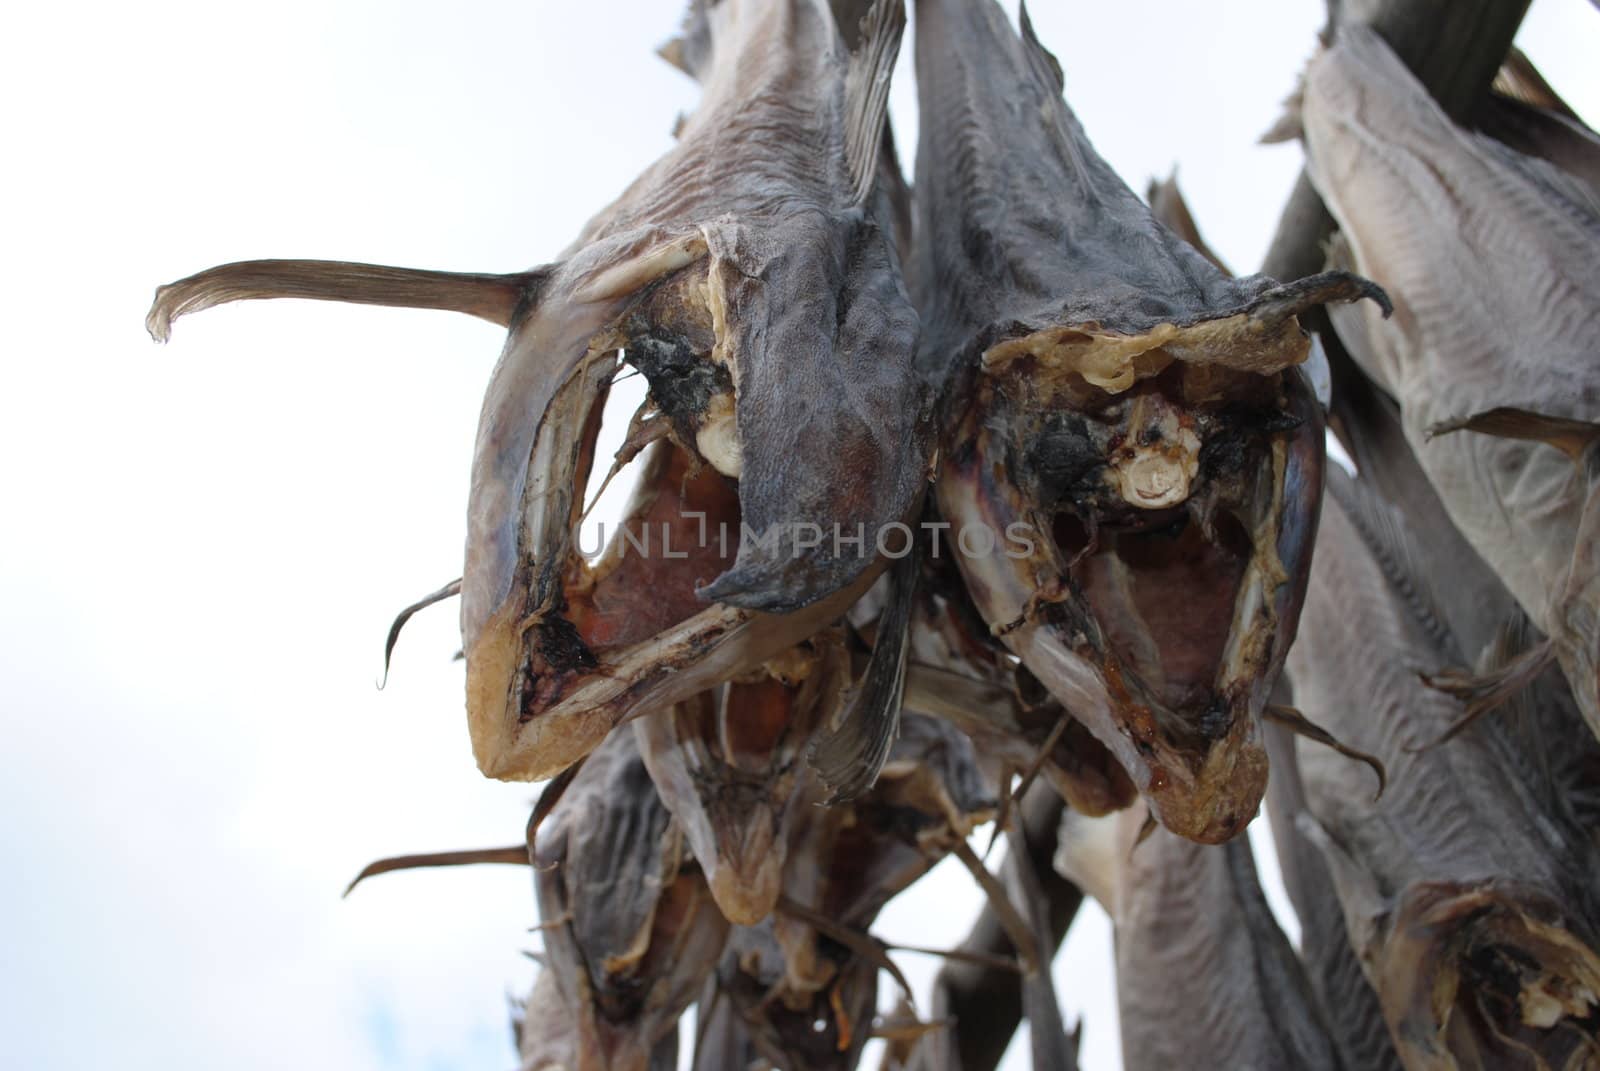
[(204, 544)]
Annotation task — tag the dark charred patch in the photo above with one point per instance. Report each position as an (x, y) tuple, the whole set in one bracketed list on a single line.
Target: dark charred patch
[(682, 380), (1236, 433), (561, 646), (1062, 463)]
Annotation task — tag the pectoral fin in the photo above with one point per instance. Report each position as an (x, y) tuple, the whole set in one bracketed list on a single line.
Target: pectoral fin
[(495, 298), (1571, 437)]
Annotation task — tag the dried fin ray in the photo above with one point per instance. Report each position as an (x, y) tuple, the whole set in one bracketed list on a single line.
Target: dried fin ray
[(1484, 692), (1300, 725), (850, 757), (1053, 1048), (495, 298), (867, 93), (450, 590), (516, 854), (1571, 437)]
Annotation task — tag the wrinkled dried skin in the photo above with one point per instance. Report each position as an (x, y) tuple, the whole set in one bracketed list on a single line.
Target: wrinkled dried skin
[(547, 1035), (1490, 256), (1469, 901), (1205, 978), (847, 861), (730, 764), (1132, 411), (751, 275), (631, 932), (960, 673)]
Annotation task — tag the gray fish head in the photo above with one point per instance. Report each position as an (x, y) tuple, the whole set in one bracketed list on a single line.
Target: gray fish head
[(631, 932), (1138, 532), (758, 290)]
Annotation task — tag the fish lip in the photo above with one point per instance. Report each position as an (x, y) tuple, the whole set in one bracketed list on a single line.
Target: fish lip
[(1437, 930), (1208, 787)]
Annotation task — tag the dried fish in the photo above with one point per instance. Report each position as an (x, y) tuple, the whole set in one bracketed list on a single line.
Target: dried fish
[(1469, 901), (1490, 255), (1205, 978), (751, 275), (1121, 427), (727, 763), (631, 932), (960, 673), (1330, 963)]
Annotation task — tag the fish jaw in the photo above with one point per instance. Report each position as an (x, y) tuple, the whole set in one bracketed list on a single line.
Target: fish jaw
[(1492, 960), (1073, 614)]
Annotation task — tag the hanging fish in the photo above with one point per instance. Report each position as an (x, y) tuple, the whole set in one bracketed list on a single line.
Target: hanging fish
[(1127, 447), (751, 275), (1490, 256), (958, 671), (1469, 901), (1331, 967), (1205, 978), (630, 930), (730, 765)]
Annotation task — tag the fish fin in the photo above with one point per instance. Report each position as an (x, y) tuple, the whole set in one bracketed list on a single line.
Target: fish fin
[(1483, 692), (1521, 81), (1010, 803), (496, 298), (516, 854), (1041, 59), (1300, 725), (849, 758), (866, 93), (448, 591), (1571, 437)]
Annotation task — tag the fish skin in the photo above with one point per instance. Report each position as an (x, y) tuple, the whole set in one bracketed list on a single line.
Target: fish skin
[(631, 932), (1460, 879), (1048, 290), (737, 809), (752, 271), (1426, 207), (844, 864), (1331, 968), (1205, 978)]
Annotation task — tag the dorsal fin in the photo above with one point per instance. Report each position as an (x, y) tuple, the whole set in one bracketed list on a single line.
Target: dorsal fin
[(1042, 61), (866, 92)]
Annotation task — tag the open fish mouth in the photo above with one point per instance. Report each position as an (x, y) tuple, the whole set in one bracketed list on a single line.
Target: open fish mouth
[(758, 289), (560, 649), (1151, 535), (1490, 969)]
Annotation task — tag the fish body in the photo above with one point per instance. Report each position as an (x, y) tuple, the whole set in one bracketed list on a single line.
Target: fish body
[(1123, 426), (1490, 257), (1468, 900)]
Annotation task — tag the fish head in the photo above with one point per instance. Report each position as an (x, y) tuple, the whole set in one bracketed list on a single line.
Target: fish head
[(1486, 968), (1138, 531), (751, 276), (731, 765), (631, 932)]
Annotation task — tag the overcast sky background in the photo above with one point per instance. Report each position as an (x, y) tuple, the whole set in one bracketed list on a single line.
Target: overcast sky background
[(204, 544)]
